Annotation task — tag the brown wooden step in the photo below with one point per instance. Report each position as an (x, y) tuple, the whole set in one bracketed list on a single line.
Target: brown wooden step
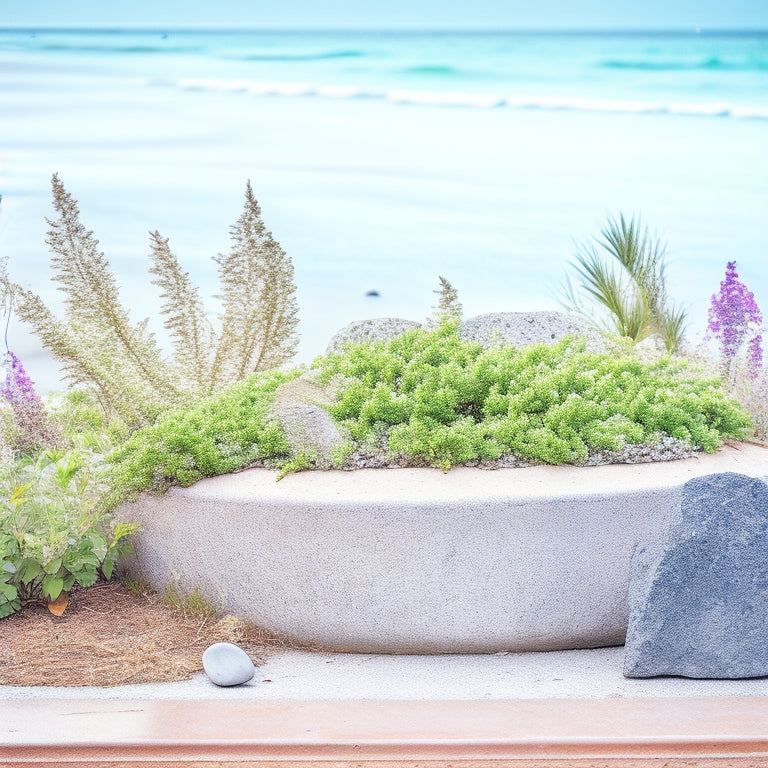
[(577, 733)]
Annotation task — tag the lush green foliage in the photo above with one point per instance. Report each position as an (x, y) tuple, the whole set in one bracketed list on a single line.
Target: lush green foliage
[(220, 434), (52, 535), (448, 401)]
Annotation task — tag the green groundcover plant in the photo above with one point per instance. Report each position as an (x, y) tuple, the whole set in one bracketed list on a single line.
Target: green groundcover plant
[(450, 401), (220, 434), (443, 401)]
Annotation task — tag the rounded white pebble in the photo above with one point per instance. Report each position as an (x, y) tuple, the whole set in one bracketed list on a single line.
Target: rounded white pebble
[(227, 664)]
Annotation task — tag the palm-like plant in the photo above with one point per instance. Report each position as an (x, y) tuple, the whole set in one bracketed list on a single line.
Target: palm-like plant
[(629, 287)]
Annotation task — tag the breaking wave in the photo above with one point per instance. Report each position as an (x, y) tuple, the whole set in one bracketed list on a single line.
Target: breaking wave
[(473, 100)]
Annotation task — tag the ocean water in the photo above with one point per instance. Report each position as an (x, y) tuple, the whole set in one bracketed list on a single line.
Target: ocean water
[(382, 160)]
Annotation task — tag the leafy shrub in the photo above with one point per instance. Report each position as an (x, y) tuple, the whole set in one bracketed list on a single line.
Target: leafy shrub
[(220, 434), (446, 401), (52, 535)]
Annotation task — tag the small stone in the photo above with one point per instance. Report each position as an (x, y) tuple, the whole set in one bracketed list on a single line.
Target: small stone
[(698, 598), (227, 664)]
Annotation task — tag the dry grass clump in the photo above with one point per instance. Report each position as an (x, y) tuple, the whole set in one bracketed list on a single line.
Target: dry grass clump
[(752, 393), (112, 635)]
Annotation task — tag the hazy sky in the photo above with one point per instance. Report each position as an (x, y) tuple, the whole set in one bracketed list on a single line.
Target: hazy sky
[(429, 14)]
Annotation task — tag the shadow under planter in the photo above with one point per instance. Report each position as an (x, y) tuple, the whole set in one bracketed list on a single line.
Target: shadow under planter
[(421, 561)]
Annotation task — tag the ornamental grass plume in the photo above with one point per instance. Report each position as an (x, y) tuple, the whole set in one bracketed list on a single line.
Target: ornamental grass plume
[(449, 309), (103, 350), (733, 317)]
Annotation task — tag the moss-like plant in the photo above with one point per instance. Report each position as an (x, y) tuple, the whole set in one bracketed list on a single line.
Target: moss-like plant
[(220, 434), (432, 399), (446, 401)]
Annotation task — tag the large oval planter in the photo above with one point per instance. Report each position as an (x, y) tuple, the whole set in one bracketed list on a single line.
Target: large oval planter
[(418, 561)]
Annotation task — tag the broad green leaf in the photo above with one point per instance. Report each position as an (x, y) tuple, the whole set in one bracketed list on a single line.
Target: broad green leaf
[(86, 577), (9, 592), (32, 570), (53, 567), (108, 567), (9, 567), (52, 586)]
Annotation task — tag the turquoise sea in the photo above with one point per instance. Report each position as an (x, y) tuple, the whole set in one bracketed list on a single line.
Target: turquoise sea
[(385, 159)]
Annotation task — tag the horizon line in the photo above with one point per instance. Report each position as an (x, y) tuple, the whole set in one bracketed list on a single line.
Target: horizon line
[(693, 30)]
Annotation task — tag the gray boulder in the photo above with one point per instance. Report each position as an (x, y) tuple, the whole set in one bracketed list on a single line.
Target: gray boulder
[(523, 328), (227, 664), (375, 329), (308, 427), (698, 599)]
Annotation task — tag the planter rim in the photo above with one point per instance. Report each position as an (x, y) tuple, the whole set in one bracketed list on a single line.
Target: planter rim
[(425, 484)]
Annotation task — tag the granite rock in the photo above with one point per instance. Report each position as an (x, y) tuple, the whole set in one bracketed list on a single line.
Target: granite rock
[(375, 329), (523, 328), (308, 427), (227, 664), (698, 597)]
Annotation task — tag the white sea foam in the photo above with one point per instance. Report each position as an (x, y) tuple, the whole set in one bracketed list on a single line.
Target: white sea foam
[(445, 99), (436, 98)]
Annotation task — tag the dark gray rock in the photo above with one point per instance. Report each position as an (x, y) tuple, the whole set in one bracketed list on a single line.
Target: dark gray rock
[(227, 664), (698, 599)]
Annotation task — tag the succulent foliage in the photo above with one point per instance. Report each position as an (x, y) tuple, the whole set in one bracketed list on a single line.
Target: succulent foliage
[(438, 400)]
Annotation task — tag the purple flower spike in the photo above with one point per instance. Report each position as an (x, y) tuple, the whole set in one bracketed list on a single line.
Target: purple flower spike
[(733, 316), (18, 386)]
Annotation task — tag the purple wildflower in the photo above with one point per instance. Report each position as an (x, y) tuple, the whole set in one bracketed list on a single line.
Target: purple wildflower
[(755, 357), (32, 429), (18, 386), (734, 315)]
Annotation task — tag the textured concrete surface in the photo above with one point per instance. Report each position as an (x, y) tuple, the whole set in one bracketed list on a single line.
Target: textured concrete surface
[(306, 676), (418, 561), (698, 599)]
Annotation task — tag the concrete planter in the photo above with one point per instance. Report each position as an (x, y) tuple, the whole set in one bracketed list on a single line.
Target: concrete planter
[(418, 561)]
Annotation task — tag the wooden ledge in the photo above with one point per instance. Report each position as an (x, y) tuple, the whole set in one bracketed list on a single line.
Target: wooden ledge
[(669, 732)]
